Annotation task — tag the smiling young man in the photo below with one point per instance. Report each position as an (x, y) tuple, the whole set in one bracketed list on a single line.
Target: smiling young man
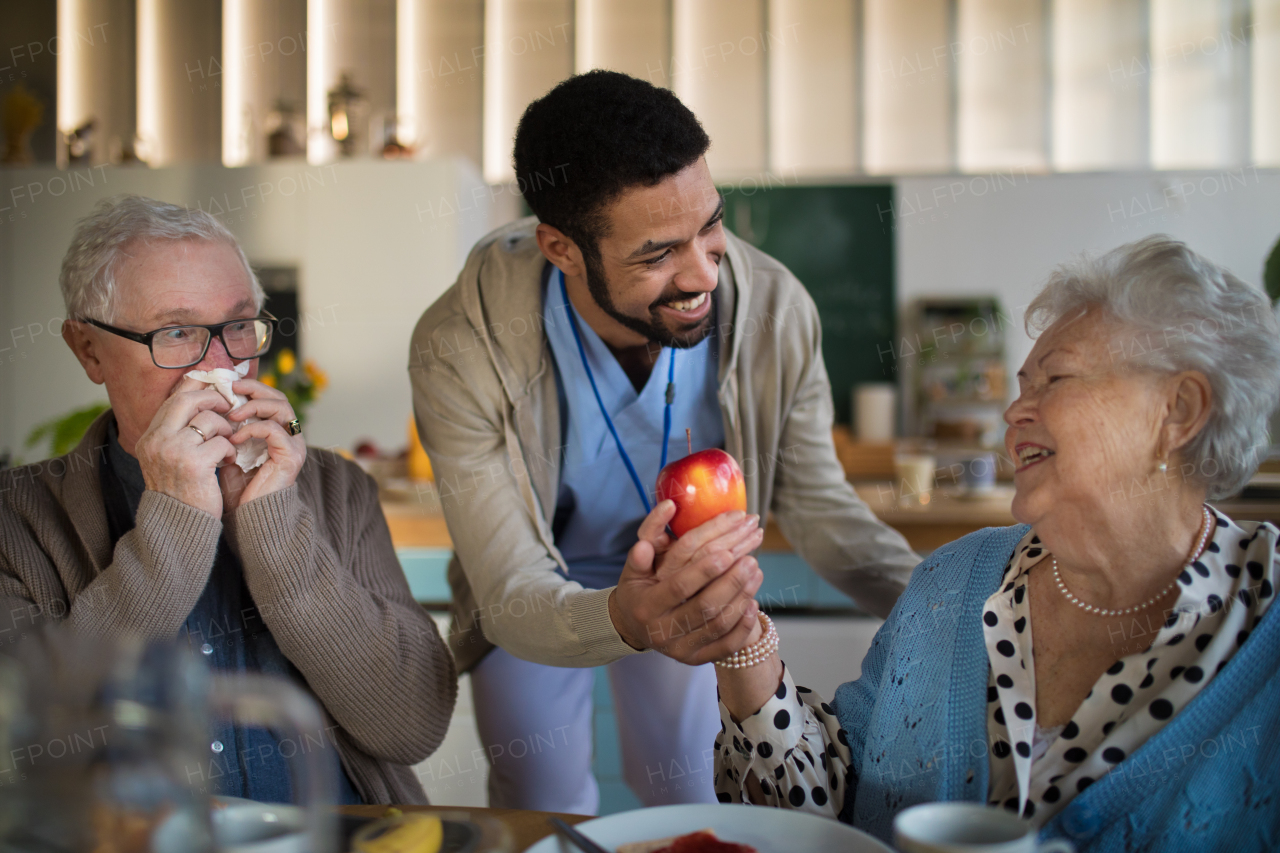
[(550, 383)]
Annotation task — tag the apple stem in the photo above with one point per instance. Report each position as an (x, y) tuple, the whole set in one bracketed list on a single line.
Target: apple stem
[(688, 436)]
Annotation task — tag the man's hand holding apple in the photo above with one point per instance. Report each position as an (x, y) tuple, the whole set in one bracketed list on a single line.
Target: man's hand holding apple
[(691, 599)]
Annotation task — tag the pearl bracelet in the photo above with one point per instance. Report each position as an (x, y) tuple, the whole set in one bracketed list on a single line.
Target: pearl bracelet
[(756, 653)]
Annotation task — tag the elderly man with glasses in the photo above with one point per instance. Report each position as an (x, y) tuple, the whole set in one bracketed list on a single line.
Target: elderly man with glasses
[(150, 529)]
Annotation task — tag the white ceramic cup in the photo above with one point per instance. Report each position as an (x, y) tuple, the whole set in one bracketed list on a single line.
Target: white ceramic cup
[(968, 828)]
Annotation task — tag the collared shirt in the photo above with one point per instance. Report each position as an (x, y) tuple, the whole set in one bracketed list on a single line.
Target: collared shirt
[(225, 630), (794, 752), (1222, 595), (598, 510)]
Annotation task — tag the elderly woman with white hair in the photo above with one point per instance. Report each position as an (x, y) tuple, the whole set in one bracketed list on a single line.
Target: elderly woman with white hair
[(152, 529), (1107, 669)]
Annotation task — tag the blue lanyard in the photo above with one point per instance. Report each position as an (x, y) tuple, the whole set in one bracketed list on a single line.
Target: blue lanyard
[(666, 412)]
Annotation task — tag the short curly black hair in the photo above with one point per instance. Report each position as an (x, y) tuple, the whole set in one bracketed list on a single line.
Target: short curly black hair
[(592, 137)]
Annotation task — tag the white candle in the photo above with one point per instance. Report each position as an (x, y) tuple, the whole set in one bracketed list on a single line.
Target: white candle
[(873, 406)]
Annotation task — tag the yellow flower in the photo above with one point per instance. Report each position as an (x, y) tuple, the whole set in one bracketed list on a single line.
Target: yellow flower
[(286, 361), (318, 377), (268, 380)]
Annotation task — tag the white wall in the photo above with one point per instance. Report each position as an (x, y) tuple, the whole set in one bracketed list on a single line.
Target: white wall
[(375, 243), (976, 234)]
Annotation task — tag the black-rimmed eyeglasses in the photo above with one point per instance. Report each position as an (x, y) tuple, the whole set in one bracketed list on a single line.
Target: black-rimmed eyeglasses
[(184, 346)]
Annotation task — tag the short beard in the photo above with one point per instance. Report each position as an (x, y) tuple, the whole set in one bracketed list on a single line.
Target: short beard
[(654, 329)]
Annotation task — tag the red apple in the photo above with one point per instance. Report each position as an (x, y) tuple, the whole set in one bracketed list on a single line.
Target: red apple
[(703, 485)]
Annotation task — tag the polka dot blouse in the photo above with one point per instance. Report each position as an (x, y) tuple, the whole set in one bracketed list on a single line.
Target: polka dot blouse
[(1221, 597), (792, 753)]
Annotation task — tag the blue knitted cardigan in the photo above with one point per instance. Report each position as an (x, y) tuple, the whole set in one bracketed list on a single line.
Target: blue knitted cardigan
[(916, 721)]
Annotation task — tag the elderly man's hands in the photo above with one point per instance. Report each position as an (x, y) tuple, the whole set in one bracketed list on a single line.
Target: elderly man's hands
[(285, 453), (692, 600), (182, 462)]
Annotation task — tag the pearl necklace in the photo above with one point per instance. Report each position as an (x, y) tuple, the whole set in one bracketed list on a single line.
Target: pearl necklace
[(1102, 611)]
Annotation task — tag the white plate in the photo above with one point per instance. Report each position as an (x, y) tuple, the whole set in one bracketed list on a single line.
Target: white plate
[(239, 826), (767, 829)]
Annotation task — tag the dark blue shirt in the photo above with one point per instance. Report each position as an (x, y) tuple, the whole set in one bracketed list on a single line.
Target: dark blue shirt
[(226, 630)]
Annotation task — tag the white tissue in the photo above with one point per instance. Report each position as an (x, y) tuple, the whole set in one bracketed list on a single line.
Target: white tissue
[(253, 452)]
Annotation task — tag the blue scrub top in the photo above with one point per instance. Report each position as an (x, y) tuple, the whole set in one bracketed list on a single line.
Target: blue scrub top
[(598, 510)]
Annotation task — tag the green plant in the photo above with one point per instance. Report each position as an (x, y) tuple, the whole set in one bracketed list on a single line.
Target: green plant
[(64, 432), (1271, 273)]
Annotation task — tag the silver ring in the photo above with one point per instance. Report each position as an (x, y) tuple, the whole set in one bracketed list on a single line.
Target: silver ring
[(198, 431)]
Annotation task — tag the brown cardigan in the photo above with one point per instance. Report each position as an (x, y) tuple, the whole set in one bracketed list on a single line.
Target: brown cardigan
[(317, 559)]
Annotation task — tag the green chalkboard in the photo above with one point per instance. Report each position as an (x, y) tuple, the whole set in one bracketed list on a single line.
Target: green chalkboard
[(839, 243)]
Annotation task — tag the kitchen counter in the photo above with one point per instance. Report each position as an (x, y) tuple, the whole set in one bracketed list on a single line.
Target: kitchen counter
[(947, 517), (416, 525)]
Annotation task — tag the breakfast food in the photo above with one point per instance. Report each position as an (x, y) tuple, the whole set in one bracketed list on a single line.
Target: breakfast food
[(411, 833), (702, 841)]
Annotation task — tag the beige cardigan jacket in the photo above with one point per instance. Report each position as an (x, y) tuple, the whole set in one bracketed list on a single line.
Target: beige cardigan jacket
[(317, 559), (484, 392)]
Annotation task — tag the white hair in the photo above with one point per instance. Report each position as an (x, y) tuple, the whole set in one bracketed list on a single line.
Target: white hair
[(88, 277), (1180, 311)]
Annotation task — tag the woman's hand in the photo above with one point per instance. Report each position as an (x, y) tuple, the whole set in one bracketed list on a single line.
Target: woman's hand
[(285, 453), (744, 691)]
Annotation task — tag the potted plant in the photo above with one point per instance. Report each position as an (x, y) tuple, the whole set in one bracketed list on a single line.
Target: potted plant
[(64, 432)]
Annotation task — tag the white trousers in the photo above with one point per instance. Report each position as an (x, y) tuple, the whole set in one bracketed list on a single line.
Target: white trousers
[(535, 722)]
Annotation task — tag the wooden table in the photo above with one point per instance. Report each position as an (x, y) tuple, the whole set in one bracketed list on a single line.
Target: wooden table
[(526, 827), (416, 525), (419, 525), (947, 517)]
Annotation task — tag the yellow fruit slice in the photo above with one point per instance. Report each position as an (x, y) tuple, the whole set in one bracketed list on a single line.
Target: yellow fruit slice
[(412, 833)]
